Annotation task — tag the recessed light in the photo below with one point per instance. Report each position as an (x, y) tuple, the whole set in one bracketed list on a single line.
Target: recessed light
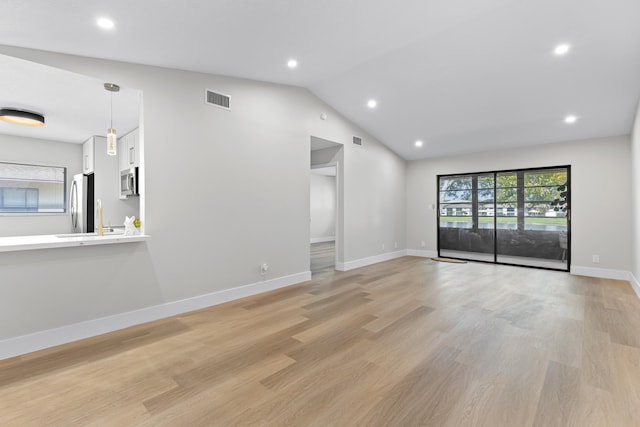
[(570, 119), (292, 63), (561, 49), (105, 23), (418, 144), (372, 103)]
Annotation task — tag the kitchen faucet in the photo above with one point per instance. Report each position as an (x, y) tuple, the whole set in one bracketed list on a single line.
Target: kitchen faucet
[(99, 214)]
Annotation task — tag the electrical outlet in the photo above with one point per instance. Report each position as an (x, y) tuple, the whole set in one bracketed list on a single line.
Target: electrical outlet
[(423, 244), (264, 268), (383, 246), (395, 245), (595, 259)]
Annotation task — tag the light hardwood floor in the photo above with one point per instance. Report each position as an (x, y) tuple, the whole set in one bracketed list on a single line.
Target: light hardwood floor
[(402, 343)]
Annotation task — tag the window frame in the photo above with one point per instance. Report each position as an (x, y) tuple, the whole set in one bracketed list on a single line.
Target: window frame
[(496, 173), (64, 209)]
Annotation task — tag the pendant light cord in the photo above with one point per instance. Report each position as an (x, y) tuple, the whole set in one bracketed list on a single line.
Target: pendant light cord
[(111, 111)]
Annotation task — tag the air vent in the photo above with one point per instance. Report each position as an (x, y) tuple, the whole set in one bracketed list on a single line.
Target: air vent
[(357, 141), (217, 99)]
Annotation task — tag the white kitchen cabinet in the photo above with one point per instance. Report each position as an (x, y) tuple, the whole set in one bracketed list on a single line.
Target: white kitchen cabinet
[(88, 156), (128, 150), (123, 149), (133, 152)]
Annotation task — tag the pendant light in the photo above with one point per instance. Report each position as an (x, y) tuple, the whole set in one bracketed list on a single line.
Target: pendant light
[(112, 139)]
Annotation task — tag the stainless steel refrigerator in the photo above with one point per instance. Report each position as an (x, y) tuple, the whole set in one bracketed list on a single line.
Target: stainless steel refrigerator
[(81, 204)]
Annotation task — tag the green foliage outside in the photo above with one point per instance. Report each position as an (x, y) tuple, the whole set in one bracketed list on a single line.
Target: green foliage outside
[(539, 186)]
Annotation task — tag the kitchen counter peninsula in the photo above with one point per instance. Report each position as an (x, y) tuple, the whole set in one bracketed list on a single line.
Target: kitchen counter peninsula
[(48, 241)]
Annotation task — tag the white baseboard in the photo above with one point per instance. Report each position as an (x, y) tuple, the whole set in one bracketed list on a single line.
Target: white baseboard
[(350, 265), (40, 340), (323, 239), (634, 284), (422, 253), (603, 273)]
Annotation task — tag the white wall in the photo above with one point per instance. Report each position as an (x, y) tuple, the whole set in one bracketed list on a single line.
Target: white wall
[(374, 200), (322, 207), (37, 151), (600, 189), (635, 198), (245, 202)]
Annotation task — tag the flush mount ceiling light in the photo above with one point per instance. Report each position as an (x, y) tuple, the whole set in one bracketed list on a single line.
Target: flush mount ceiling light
[(105, 23), (562, 49), (418, 143), (21, 117), (112, 139), (570, 119), (292, 63), (372, 103)]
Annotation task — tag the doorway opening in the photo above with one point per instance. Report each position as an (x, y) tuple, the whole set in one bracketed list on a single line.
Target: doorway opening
[(325, 205)]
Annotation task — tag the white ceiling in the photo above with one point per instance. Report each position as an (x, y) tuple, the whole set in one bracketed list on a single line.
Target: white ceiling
[(322, 144), (75, 107), (460, 75)]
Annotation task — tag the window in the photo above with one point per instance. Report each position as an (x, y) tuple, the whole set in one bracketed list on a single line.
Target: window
[(32, 188)]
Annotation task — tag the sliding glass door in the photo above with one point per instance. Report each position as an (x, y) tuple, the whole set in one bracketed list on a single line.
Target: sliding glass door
[(518, 217)]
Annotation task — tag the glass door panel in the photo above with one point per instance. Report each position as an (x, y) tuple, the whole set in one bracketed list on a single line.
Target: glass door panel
[(535, 229), (466, 217)]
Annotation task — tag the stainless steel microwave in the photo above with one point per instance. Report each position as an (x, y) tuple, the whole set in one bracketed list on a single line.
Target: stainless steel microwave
[(129, 182)]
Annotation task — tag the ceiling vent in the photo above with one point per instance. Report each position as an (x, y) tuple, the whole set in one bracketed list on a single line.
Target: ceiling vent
[(357, 141), (217, 99)]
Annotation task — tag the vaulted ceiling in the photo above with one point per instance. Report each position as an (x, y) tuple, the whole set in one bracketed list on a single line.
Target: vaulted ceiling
[(458, 75)]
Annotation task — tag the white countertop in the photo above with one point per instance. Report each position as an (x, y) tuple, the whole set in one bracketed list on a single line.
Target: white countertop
[(25, 243)]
